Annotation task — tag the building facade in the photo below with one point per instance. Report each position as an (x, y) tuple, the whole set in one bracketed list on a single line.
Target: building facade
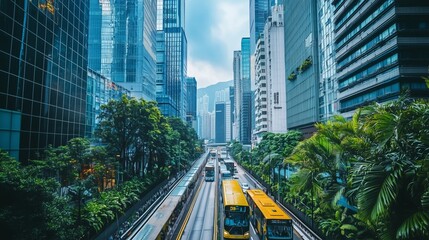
[(191, 109), (259, 10), (171, 90), (382, 50), (246, 93), (220, 122), (275, 71), (301, 64), (122, 37), (237, 94), (42, 75), (261, 98), (100, 90), (328, 87)]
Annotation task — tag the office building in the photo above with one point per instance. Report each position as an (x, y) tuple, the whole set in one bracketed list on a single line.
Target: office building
[(382, 50), (237, 94), (43, 71), (301, 64), (231, 112), (191, 110), (171, 92), (100, 90), (259, 10), (122, 39), (220, 122), (246, 93), (328, 87)]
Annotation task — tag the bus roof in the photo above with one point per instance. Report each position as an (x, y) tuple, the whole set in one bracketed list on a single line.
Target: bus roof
[(233, 194), (268, 207)]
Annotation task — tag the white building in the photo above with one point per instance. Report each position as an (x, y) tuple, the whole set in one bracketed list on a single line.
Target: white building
[(261, 101), (275, 66), (270, 93)]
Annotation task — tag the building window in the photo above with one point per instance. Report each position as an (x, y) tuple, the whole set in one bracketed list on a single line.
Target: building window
[(276, 98)]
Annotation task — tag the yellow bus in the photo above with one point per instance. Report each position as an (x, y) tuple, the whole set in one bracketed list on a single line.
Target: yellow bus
[(269, 220), (235, 211)]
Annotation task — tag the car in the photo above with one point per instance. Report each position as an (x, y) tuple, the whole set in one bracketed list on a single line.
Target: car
[(235, 177), (245, 186)]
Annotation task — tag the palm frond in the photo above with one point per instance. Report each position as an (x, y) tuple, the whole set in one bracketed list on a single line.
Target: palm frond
[(415, 225)]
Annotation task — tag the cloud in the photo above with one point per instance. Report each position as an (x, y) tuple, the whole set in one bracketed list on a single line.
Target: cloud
[(214, 29), (207, 74)]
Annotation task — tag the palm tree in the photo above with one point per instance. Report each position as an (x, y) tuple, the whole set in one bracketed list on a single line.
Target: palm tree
[(392, 182)]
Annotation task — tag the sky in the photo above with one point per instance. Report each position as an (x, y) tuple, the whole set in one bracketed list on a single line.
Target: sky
[(214, 29)]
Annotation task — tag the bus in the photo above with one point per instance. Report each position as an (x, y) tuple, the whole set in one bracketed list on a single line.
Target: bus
[(229, 163), (224, 173), (235, 211), (213, 153), (209, 172), (269, 220)]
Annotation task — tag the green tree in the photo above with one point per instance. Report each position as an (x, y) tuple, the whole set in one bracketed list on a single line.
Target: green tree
[(392, 181)]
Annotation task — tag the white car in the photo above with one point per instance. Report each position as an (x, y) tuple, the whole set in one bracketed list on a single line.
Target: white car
[(245, 186), (235, 177)]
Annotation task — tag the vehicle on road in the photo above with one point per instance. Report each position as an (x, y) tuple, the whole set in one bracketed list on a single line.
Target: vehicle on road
[(269, 220), (245, 186), (235, 211), (209, 172)]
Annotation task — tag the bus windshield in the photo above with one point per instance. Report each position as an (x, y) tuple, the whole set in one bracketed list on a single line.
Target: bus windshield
[(279, 232), (237, 219)]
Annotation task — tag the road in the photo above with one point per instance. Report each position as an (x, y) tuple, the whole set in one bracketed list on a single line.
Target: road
[(201, 221)]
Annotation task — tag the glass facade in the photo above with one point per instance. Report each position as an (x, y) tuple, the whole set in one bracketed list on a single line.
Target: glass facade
[(191, 86), (328, 87), (100, 91), (171, 83), (43, 70), (220, 120), (381, 50), (122, 43), (259, 12), (302, 70), (246, 94)]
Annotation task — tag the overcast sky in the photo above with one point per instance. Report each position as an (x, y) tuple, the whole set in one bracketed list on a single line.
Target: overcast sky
[(214, 29)]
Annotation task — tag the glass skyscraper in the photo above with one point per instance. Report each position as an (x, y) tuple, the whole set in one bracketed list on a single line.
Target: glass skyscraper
[(301, 64), (259, 12), (246, 97), (122, 43), (171, 83), (43, 71), (191, 99)]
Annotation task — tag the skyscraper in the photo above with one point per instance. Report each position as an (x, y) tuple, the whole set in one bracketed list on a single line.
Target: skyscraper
[(246, 93), (328, 104), (237, 94), (43, 74), (220, 117), (259, 10), (122, 39), (191, 110), (382, 49), (301, 64), (172, 88), (270, 94), (275, 78)]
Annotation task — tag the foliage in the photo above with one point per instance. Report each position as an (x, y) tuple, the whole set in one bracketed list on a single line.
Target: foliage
[(377, 162)]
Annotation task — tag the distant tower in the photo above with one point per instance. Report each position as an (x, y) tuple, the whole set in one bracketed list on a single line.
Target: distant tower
[(191, 110)]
